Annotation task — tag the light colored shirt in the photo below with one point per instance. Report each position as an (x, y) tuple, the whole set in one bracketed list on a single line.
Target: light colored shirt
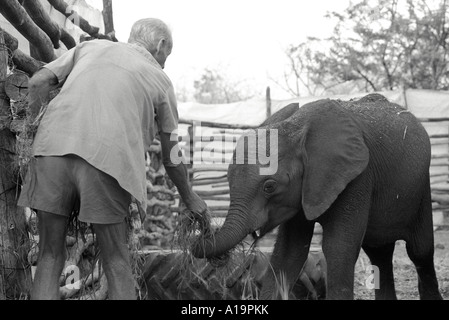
[(115, 98)]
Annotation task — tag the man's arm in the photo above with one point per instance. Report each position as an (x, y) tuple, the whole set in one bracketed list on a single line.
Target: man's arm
[(39, 88), (179, 175)]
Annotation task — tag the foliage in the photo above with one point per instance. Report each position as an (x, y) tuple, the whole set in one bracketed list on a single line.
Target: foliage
[(214, 86), (384, 45)]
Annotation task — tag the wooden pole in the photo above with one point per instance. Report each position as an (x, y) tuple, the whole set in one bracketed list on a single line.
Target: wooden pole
[(19, 18), (76, 19), (36, 11), (191, 134), (4, 105), (21, 61), (268, 97), (216, 124), (15, 274), (108, 17)]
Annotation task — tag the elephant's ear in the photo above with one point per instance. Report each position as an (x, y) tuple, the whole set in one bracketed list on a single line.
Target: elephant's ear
[(334, 154)]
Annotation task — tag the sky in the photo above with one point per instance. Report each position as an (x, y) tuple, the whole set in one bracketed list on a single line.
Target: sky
[(245, 39)]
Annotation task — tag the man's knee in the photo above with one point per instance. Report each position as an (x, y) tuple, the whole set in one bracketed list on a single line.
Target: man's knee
[(52, 232), (112, 239)]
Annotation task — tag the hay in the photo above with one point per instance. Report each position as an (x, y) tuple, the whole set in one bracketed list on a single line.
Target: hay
[(192, 228), (134, 223)]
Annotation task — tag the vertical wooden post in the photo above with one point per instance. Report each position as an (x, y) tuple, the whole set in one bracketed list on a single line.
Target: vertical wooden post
[(404, 93), (191, 133), (268, 97), (15, 274), (3, 118), (108, 16)]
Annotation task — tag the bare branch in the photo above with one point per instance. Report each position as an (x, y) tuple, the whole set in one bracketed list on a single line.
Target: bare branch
[(366, 79)]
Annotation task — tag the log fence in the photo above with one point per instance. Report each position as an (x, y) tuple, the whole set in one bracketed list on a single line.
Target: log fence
[(209, 173)]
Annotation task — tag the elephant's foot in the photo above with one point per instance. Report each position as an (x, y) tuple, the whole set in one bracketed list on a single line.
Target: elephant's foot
[(428, 287)]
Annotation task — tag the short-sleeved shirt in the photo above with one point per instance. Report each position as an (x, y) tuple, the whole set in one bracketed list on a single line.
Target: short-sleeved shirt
[(114, 100)]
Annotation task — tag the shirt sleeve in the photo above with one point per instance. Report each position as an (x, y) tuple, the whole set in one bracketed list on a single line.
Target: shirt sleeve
[(167, 112), (63, 65)]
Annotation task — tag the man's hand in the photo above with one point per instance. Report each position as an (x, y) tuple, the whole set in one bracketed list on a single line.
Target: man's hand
[(39, 88)]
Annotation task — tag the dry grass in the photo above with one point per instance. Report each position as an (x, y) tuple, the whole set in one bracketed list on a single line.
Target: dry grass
[(282, 287), (189, 230)]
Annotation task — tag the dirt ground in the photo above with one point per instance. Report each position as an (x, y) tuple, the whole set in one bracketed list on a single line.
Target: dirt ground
[(406, 279)]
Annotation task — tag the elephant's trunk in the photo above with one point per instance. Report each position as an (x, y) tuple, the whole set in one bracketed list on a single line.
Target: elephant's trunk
[(234, 230)]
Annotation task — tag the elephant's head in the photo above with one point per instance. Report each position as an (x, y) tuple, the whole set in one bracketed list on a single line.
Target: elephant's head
[(320, 149)]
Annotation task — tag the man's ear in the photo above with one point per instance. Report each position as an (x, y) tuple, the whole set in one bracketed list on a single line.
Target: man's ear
[(161, 45)]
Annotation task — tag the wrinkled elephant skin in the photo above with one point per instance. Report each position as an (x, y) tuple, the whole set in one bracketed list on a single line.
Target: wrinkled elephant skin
[(361, 170)]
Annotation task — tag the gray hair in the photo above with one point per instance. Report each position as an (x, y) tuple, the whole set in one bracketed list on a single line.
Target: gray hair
[(148, 32)]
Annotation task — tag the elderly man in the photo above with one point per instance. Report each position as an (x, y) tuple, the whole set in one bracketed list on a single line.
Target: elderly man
[(90, 145)]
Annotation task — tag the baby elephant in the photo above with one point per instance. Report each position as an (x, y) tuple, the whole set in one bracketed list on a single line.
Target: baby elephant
[(359, 168)]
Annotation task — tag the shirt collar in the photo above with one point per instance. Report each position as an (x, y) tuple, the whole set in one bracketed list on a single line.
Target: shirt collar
[(145, 53)]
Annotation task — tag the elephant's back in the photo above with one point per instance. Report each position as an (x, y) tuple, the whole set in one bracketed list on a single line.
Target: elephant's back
[(398, 143), (389, 124), (375, 110)]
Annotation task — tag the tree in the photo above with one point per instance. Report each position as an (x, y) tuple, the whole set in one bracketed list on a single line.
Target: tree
[(384, 44), (214, 86), (303, 69)]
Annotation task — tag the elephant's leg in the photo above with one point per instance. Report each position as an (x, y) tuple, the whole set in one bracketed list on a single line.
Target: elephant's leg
[(427, 280), (382, 258), (289, 255), (341, 255), (344, 227), (420, 249)]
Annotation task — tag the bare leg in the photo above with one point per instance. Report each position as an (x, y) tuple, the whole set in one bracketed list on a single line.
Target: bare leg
[(52, 232), (115, 257)]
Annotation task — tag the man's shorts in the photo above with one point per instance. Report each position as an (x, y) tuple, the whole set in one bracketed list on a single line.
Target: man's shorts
[(66, 184)]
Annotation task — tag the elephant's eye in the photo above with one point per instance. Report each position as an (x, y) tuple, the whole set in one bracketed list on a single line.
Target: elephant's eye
[(269, 186)]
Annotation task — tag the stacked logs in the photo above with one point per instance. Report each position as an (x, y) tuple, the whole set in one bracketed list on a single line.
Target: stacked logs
[(15, 90), (159, 224)]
